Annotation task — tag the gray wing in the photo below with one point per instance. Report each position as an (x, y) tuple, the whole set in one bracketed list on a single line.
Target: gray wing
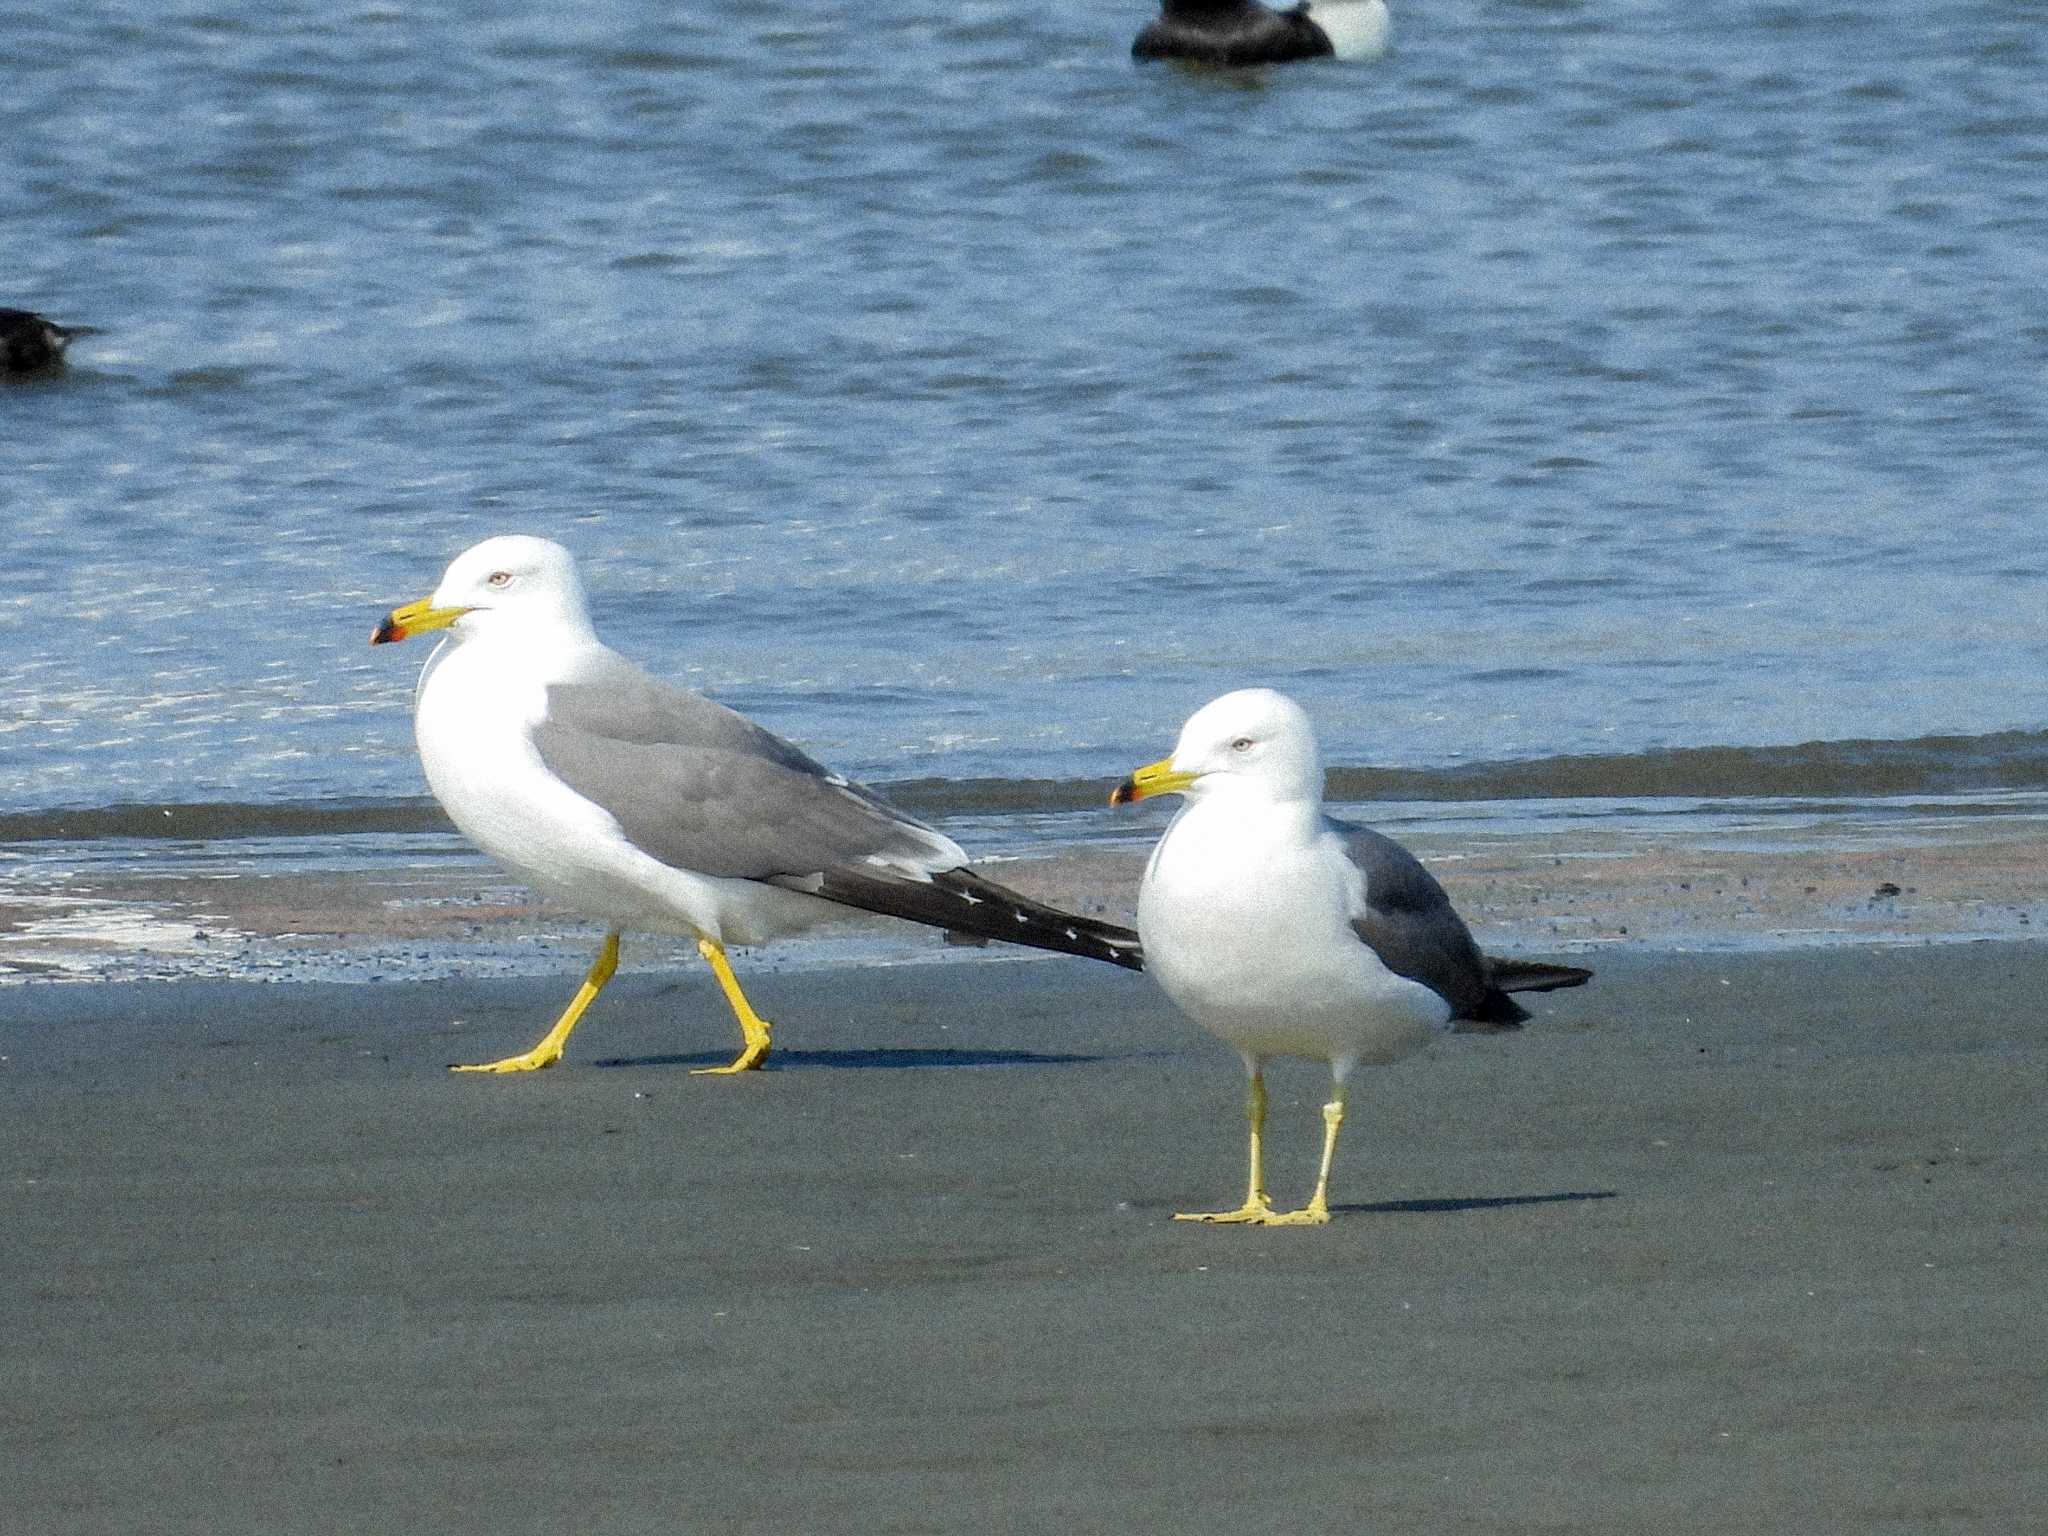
[(1412, 927), (703, 788)]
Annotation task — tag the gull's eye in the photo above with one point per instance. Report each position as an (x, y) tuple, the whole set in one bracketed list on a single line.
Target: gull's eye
[(1242, 744), (498, 579)]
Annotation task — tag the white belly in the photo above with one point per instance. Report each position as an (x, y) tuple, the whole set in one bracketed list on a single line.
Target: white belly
[(1250, 935)]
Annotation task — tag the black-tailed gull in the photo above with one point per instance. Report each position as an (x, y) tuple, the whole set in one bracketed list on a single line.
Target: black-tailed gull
[(648, 807), (1240, 32), (1288, 933)]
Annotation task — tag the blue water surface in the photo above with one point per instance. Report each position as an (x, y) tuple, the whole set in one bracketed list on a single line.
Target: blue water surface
[(967, 401)]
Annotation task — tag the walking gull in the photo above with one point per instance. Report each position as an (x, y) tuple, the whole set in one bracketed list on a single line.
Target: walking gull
[(650, 808), (1289, 933)]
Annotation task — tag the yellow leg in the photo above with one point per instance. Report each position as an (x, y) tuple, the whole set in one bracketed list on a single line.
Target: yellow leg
[(1256, 1207), (1317, 1212), (549, 1051), (752, 1026)]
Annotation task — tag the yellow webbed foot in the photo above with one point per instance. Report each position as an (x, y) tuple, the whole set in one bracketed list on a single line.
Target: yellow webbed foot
[(1255, 1211), (525, 1061), (549, 1050), (753, 1028), (1317, 1212), (755, 1053), (1314, 1214)]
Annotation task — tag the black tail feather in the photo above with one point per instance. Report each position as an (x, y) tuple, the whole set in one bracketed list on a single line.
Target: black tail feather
[(1499, 1011), (1534, 975), (963, 902)]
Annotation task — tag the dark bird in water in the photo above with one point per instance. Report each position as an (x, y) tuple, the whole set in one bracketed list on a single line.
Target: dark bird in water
[(29, 343), (1234, 32)]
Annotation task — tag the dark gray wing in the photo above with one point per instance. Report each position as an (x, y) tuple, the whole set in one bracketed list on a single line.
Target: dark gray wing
[(1412, 927), (702, 788)]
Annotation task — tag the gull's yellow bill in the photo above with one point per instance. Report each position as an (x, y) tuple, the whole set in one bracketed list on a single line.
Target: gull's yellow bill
[(413, 619), (1160, 778)]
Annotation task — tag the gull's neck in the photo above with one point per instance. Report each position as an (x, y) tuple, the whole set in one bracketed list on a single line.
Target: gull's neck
[(1254, 803), (548, 649)]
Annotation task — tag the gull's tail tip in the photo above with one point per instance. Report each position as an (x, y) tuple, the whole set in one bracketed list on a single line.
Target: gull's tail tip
[(1535, 975)]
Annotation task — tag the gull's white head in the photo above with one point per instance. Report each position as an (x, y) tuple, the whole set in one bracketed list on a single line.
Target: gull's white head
[(512, 584), (1255, 740)]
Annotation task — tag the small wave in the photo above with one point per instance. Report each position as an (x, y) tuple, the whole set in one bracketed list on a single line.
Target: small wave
[(1812, 771), (1927, 765)]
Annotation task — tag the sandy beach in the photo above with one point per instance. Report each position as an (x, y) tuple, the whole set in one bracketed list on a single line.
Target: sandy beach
[(221, 908), (1723, 1243)]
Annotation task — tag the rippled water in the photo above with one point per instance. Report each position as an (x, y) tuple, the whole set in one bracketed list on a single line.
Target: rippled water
[(971, 404)]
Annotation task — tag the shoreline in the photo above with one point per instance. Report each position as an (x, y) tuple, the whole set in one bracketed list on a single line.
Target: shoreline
[(1741, 1240), (436, 910)]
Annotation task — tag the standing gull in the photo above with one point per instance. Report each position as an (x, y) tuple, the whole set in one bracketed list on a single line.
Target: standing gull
[(1288, 933), (651, 808)]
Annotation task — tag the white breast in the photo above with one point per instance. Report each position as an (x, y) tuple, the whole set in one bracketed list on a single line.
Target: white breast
[(1245, 914), (1357, 29)]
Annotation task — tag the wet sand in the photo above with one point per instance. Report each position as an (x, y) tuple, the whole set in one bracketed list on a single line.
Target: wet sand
[(1723, 1243), (229, 911)]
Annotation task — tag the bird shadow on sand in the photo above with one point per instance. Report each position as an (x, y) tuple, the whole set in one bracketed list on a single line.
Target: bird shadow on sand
[(878, 1059), (1424, 1207), (1474, 1202)]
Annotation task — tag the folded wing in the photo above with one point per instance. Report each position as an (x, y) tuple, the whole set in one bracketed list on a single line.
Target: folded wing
[(700, 787), (1412, 926)]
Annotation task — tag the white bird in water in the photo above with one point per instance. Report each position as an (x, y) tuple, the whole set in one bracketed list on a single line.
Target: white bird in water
[(648, 807), (1288, 933)]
